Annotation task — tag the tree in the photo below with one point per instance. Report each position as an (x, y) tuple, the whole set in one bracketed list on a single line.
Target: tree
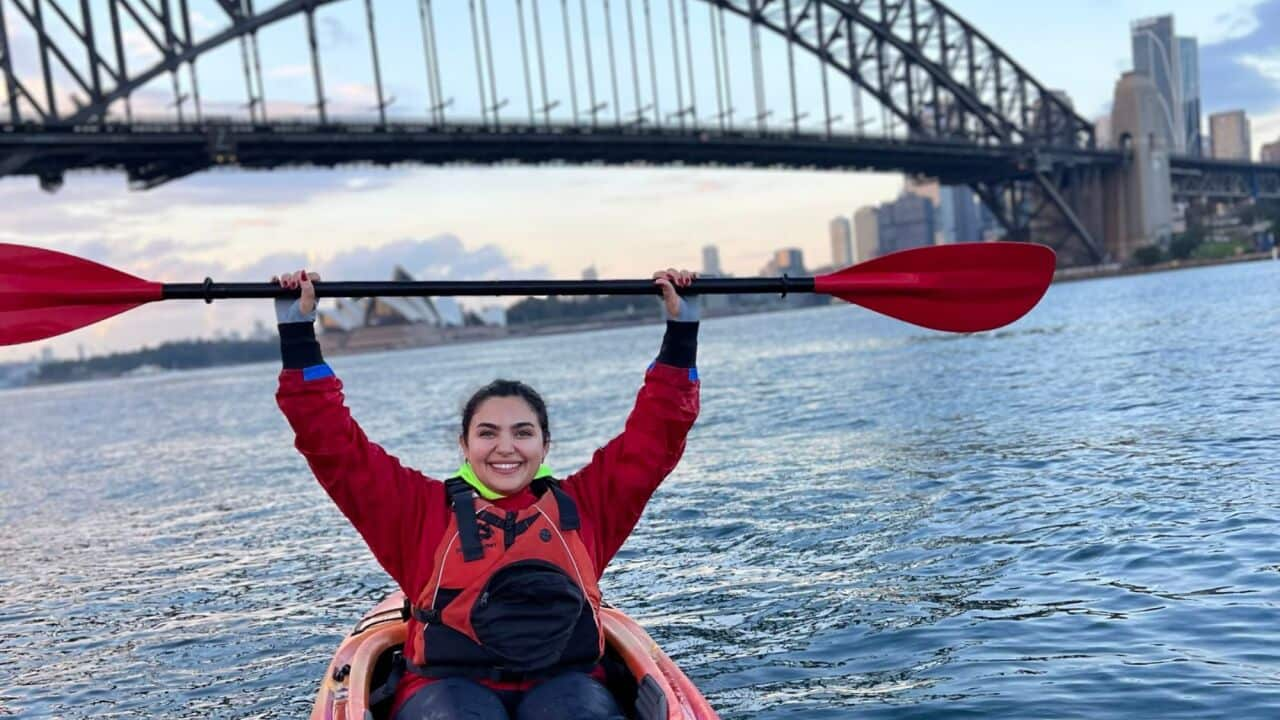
[(1148, 255)]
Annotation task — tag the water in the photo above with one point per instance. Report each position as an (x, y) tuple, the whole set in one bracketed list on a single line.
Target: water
[(1070, 518)]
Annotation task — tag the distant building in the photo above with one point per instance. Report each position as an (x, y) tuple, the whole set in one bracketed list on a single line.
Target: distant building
[(1189, 65), (346, 315), (907, 222), (1156, 55), (787, 261), (1271, 153), (400, 310), (989, 227), (449, 312), (841, 242), (590, 273), (711, 260), (389, 322), (1230, 133), (955, 210), (866, 233)]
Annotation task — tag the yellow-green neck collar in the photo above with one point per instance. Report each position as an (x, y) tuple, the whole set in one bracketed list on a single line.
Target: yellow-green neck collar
[(469, 475)]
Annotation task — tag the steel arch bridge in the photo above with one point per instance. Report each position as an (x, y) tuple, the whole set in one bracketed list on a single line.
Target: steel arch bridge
[(894, 85)]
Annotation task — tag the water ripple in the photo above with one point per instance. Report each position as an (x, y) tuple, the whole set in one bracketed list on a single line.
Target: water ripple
[(1070, 518)]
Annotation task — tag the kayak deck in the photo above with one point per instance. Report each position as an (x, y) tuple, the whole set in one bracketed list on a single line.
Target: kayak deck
[(646, 683)]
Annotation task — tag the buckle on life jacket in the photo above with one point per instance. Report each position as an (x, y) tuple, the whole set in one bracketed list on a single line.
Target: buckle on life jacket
[(426, 616), (464, 507)]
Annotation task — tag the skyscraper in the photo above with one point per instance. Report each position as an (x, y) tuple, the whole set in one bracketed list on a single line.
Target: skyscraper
[(955, 212), (907, 222), (867, 233), (1155, 55), (1189, 64), (841, 242), (789, 261), (711, 260), (1230, 135)]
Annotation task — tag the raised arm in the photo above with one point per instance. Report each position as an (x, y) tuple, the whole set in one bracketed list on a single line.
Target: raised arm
[(614, 487), (391, 506)]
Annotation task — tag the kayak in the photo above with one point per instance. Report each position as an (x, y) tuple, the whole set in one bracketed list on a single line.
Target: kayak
[(646, 683)]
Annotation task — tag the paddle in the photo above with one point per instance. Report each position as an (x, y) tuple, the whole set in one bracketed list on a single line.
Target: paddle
[(966, 287)]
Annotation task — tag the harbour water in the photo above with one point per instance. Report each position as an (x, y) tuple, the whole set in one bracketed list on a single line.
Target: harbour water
[(1074, 517)]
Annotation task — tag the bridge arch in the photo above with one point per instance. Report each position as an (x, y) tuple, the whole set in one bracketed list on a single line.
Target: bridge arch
[(927, 66), (925, 40), (991, 124)]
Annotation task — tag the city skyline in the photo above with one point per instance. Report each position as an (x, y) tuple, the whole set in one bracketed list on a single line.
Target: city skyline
[(539, 222)]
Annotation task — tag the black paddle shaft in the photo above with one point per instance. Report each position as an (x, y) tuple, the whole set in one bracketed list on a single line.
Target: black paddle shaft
[(210, 291)]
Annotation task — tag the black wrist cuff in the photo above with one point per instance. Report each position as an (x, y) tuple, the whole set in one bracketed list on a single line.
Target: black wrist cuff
[(680, 345), (298, 346)]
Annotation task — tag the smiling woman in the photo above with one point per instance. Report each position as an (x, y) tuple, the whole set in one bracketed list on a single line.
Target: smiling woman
[(498, 564), (505, 437)]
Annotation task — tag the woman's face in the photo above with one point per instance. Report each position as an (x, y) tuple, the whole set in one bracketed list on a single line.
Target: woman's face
[(504, 444)]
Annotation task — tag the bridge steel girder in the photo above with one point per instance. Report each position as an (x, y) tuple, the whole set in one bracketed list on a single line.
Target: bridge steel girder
[(1224, 180), (923, 73), (155, 153), (938, 75)]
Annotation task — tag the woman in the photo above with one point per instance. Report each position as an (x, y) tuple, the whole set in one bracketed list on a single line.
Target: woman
[(500, 563)]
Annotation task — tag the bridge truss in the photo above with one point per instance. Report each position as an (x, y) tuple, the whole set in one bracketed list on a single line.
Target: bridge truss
[(894, 85)]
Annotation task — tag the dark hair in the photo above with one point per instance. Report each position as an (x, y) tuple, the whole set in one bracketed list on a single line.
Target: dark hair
[(507, 388)]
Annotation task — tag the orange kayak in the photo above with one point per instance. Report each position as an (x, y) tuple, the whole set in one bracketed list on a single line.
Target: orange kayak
[(647, 684)]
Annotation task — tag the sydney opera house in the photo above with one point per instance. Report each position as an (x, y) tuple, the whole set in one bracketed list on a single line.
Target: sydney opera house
[(366, 324)]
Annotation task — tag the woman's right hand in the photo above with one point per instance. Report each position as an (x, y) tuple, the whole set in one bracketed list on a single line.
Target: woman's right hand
[(678, 308), (303, 309)]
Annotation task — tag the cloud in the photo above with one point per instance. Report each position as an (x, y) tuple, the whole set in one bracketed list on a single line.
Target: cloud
[(1244, 71), (1235, 22), (439, 258)]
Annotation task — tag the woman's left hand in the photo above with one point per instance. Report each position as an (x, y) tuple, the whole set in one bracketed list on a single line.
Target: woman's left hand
[(677, 307)]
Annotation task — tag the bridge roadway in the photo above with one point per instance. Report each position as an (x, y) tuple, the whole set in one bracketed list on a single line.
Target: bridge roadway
[(154, 153)]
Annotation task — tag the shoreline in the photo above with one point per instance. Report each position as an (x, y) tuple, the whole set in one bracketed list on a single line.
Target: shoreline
[(432, 337), (1094, 272), (412, 337)]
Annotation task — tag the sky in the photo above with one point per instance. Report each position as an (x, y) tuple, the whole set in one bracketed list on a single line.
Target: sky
[(470, 222)]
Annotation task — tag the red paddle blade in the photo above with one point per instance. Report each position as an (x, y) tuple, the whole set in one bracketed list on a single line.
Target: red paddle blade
[(44, 293), (965, 287)]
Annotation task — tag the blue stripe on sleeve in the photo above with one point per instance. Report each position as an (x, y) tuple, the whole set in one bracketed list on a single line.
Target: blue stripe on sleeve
[(693, 374), (315, 372)]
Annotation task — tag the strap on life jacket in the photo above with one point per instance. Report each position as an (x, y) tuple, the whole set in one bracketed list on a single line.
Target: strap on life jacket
[(463, 499)]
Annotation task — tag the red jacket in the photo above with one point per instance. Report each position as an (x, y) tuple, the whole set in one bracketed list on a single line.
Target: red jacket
[(401, 513)]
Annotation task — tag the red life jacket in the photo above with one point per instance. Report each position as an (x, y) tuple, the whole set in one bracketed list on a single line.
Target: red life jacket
[(514, 595)]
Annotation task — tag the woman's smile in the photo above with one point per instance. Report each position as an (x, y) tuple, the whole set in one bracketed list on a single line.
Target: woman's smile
[(506, 467)]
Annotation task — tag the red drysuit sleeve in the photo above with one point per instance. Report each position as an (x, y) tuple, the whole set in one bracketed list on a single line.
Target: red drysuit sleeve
[(397, 510), (611, 491)]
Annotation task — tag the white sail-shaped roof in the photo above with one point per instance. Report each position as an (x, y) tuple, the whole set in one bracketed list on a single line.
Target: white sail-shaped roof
[(347, 314)]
